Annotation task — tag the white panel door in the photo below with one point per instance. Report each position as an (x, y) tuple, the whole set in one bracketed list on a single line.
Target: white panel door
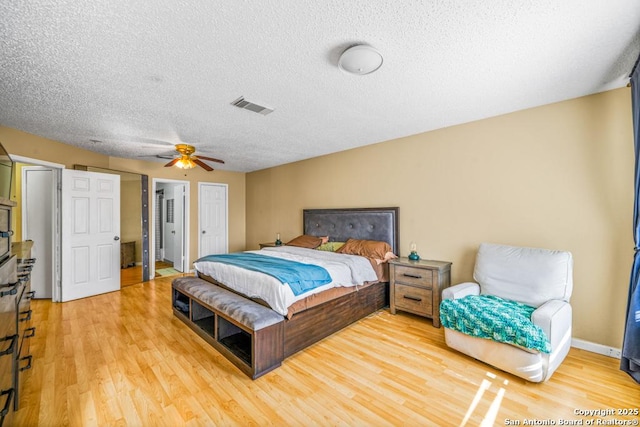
[(178, 241), (90, 234), (212, 214)]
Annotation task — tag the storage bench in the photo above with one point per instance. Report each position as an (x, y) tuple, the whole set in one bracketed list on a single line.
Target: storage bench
[(248, 334)]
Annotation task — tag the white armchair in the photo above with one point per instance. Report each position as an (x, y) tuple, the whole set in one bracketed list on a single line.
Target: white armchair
[(539, 278)]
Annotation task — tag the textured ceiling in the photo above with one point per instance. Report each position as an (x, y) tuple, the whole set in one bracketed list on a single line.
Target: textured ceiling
[(132, 78)]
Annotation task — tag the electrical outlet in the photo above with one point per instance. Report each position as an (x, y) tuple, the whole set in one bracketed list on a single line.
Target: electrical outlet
[(614, 352)]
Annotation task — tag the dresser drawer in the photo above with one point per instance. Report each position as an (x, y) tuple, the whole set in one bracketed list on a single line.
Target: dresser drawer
[(6, 367), (413, 299), (413, 276)]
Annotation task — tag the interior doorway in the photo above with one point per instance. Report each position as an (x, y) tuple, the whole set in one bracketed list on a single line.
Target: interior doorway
[(38, 225), (47, 246), (213, 215), (38, 218), (170, 235)]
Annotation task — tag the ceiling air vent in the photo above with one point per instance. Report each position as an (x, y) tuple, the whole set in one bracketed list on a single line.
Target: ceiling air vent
[(243, 103)]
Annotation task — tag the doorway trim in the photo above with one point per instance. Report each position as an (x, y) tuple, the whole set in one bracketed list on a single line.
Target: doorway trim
[(56, 229), (185, 236), (43, 271)]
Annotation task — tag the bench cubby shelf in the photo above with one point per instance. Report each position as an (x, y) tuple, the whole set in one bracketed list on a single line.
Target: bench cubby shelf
[(248, 334)]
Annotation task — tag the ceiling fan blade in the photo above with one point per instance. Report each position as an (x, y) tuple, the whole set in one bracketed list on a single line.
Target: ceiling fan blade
[(211, 159), (172, 162), (202, 164)]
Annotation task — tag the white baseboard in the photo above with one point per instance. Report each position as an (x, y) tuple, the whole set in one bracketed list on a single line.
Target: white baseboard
[(596, 348)]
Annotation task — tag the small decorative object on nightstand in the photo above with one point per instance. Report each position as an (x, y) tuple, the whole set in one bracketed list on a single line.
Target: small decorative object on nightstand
[(416, 286), (278, 241), (413, 256)]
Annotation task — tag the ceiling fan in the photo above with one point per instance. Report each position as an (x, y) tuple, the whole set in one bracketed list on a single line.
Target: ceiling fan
[(187, 160)]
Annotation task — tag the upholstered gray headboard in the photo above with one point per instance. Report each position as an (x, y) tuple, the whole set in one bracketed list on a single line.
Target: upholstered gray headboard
[(356, 223)]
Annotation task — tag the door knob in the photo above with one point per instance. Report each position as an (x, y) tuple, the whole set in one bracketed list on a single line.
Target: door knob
[(116, 238), (204, 231)]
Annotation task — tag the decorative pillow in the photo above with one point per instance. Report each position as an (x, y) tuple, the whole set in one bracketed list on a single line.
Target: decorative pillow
[(374, 249), (389, 255), (330, 246), (305, 241)]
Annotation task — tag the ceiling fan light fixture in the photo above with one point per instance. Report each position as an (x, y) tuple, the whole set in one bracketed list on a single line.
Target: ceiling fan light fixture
[(185, 160), (185, 163), (360, 59)]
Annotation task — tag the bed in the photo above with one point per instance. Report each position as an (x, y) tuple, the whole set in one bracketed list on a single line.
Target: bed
[(321, 314)]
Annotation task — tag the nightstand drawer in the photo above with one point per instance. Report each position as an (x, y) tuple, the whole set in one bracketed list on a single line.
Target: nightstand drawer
[(413, 276), (414, 299)]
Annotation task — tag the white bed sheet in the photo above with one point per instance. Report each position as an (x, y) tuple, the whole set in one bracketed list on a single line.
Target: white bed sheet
[(345, 270)]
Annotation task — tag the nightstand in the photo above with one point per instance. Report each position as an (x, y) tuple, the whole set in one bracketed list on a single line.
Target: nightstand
[(268, 245), (416, 286)]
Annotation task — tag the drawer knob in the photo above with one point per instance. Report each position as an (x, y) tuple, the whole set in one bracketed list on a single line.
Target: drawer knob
[(29, 359), (12, 291), (29, 332), (27, 316), (7, 404), (12, 346)]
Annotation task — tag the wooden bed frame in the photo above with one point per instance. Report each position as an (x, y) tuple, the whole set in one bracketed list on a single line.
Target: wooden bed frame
[(316, 323), (313, 324)]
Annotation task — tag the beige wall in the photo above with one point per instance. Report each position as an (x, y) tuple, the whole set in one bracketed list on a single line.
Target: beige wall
[(558, 176), (35, 147)]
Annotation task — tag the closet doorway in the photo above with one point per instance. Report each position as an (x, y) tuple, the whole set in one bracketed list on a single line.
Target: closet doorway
[(171, 227), (39, 218), (134, 224)]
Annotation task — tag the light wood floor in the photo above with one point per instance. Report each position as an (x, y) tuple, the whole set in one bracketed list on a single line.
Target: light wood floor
[(133, 275), (124, 359)]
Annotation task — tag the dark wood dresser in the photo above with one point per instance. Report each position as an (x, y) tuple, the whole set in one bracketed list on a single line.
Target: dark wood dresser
[(8, 338), (15, 316), (22, 252), (8, 315)]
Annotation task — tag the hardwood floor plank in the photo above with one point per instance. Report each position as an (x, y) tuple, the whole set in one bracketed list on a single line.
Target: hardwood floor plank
[(123, 359)]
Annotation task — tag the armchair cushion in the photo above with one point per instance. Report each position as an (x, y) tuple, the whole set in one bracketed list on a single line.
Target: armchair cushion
[(494, 318), (461, 290), (531, 276)]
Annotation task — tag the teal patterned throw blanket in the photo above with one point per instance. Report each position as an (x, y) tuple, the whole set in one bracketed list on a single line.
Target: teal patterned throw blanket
[(491, 317)]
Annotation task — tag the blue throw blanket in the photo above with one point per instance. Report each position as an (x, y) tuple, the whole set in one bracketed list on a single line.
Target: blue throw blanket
[(299, 276)]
